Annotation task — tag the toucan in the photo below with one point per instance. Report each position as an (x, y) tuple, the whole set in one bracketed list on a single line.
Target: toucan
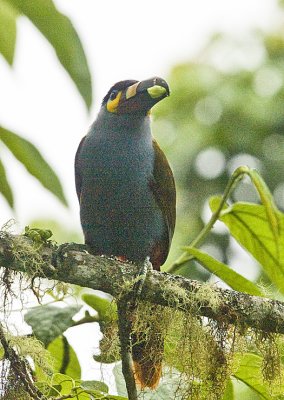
[(126, 192)]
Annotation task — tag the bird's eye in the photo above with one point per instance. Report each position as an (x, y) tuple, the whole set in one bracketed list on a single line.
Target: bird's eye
[(113, 94)]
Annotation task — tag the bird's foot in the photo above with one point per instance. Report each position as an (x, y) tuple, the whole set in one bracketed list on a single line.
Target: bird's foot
[(140, 278)]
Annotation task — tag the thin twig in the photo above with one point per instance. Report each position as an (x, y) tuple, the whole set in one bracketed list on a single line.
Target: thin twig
[(124, 330)]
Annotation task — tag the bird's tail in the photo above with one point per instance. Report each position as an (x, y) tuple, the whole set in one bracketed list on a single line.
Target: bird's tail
[(147, 356)]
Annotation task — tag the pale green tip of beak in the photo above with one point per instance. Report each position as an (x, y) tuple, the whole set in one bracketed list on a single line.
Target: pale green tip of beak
[(156, 91)]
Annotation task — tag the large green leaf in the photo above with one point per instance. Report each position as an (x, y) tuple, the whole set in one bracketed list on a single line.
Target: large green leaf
[(60, 33), (106, 309), (31, 158), (48, 322), (94, 385), (249, 225), (63, 382), (5, 188), (7, 31), (232, 278), (267, 200), (65, 358), (249, 371), (229, 391)]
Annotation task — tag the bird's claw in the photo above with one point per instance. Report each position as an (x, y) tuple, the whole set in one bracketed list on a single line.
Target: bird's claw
[(140, 278)]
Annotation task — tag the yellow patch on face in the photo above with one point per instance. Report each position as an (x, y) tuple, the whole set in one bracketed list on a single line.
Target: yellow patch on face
[(113, 104)]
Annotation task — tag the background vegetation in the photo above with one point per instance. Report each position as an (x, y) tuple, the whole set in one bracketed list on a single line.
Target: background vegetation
[(222, 114)]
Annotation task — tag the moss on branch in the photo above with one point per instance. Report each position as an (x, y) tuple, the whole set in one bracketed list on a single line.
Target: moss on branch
[(71, 263)]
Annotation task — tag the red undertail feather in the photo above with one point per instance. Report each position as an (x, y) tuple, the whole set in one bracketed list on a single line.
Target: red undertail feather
[(147, 375), (147, 355)]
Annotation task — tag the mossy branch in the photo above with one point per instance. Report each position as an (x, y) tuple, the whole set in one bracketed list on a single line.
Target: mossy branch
[(72, 264)]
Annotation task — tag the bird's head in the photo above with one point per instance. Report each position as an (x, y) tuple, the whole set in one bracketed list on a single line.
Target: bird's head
[(131, 96)]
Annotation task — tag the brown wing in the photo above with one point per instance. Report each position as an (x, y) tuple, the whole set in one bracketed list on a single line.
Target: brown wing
[(163, 187), (78, 176)]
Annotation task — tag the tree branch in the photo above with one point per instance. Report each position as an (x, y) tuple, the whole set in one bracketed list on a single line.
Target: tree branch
[(114, 277)]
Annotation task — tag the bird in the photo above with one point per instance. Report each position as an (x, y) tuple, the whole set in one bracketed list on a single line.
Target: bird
[(126, 191)]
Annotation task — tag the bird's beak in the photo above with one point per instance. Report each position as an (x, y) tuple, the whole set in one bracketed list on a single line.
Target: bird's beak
[(157, 88), (142, 96)]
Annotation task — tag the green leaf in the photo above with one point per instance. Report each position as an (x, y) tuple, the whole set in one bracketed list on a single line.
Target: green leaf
[(106, 309), (98, 390), (107, 396), (7, 31), (60, 33), (48, 322), (64, 382), (229, 391), (94, 385), (214, 202), (5, 188), (249, 225), (82, 395), (267, 200), (31, 158), (249, 367), (232, 278), (65, 358), (48, 390)]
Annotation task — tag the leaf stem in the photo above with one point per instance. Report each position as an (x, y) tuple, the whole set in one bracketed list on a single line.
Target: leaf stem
[(234, 179)]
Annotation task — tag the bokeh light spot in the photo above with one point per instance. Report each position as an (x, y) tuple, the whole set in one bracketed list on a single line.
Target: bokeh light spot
[(210, 163), (208, 110), (243, 159), (248, 53), (273, 147), (268, 81)]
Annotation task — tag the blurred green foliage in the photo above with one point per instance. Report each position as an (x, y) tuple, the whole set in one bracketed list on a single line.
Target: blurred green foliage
[(225, 110), (58, 30)]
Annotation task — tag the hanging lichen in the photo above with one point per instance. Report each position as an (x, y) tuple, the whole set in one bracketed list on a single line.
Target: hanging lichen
[(21, 355), (200, 349)]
